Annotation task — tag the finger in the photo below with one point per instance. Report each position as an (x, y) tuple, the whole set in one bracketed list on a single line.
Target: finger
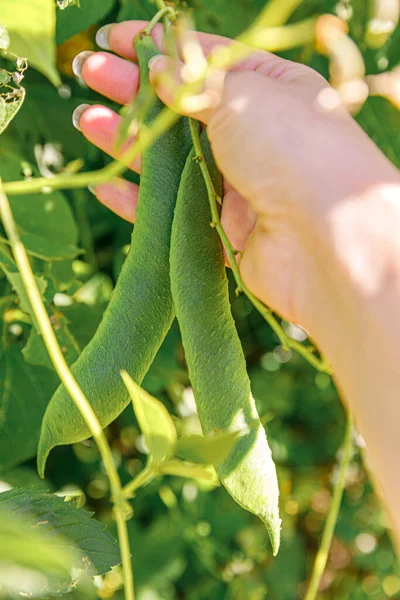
[(237, 219), (100, 126), (120, 196), (108, 74), (119, 38)]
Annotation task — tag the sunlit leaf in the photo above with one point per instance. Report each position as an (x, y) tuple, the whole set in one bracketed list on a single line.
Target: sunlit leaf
[(24, 393), (64, 528), (75, 19), (31, 26), (29, 565), (182, 469), (10, 269), (206, 450), (45, 221), (154, 420), (35, 351), (9, 106)]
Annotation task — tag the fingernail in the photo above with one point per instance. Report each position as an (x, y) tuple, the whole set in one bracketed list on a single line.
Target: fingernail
[(156, 60), (77, 114), (92, 189), (77, 63), (102, 36)]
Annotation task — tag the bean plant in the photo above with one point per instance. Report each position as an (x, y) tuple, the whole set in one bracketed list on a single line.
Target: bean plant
[(234, 471)]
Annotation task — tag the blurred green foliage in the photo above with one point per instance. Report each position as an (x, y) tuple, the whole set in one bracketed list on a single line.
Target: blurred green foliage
[(189, 540)]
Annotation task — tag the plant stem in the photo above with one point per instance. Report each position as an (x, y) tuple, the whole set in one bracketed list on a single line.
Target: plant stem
[(221, 58), (143, 478), (286, 37), (276, 13), (71, 385), (162, 13), (286, 341), (323, 551), (164, 121)]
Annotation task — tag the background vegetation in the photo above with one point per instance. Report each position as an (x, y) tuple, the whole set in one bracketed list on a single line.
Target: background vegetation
[(189, 540)]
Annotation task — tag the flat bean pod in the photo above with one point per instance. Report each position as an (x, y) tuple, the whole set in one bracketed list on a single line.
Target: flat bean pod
[(140, 311), (213, 351)]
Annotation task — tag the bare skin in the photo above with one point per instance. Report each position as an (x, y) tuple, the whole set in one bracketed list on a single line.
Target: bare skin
[(313, 205)]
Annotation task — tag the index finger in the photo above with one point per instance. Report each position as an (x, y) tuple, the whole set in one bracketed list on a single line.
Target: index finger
[(119, 37)]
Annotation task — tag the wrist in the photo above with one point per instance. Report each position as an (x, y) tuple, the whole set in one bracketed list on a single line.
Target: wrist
[(359, 268)]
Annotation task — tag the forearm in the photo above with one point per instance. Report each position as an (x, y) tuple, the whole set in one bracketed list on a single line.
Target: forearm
[(359, 331)]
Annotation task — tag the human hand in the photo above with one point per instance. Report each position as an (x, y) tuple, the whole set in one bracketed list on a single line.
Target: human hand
[(288, 154)]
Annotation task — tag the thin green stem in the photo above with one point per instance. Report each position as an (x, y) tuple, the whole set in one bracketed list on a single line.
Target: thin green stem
[(286, 341), (143, 478), (327, 535), (221, 58), (276, 13), (164, 121), (169, 16), (162, 13), (286, 37), (71, 385)]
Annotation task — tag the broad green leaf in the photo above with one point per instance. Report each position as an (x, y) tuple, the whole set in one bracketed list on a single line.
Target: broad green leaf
[(45, 221), (31, 26), (83, 321), (212, 16), (162, 546), (206, 450), (35, 351), (10, 269), (182, 469), (381, 121), (22, 477), (47, 248), (63, 525), (24, 393), (73, 19), (154, 420), (29, 565), (45, 117), (9, 106), (135, 9)]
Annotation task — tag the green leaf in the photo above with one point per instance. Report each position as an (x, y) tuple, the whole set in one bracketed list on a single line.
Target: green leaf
[(45, 118), (35, 351), (22, 477), (10, 269), (206, 450), (75, 19), (45, 221), (83, 321), (182, 469), (9, 106), (154, 420), (135, 9), (212, 16), (381, 121), (24, 393), (63, 526), (31, 26), (29, 565), (47, 248)]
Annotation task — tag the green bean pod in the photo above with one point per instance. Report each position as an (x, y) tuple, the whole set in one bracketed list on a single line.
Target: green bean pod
[(140, 311), (213, 351)]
